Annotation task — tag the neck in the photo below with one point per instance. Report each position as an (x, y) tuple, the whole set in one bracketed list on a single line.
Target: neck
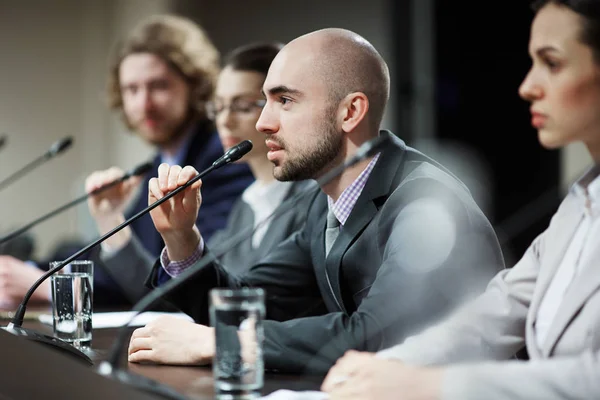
[(336, 187), (174, 144), (594, 150), (262, 169)]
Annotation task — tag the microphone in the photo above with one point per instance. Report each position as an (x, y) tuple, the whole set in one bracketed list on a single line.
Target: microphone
[(233, 154), (110, 366), (2, 141), (57, 148), (139, 170), (15, 326)]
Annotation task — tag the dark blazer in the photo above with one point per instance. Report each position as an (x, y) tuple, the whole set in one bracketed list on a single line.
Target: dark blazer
[(414, 247), (220, 189)]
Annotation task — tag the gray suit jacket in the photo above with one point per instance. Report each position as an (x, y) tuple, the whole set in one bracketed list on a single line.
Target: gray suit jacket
[(414, 246), (502, 320)]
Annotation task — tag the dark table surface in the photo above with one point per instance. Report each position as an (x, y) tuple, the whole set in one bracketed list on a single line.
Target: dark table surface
[(192, 381)]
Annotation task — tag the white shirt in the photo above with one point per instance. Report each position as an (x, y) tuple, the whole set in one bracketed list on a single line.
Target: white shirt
[(263, 199), (587, 190)]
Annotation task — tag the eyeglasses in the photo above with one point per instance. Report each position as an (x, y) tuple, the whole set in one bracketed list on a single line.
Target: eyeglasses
[(237, 106)]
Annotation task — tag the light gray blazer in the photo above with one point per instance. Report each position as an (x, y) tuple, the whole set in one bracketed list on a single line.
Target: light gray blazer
[(502, 320)]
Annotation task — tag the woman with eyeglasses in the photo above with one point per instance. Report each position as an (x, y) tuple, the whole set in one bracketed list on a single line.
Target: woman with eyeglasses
[(235, 109)]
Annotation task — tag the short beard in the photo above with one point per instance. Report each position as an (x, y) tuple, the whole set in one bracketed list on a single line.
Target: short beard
[(174, 132), (310, 163)]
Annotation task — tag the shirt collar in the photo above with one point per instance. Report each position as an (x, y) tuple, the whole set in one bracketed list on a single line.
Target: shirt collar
[(587, 188), (179, 157), (347, 200)]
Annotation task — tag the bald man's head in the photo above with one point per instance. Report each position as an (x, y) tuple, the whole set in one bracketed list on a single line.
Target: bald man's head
[(346, 63)]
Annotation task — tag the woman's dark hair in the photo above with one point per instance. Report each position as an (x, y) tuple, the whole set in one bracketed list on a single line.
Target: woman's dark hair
[(589, 10), (255, 57)]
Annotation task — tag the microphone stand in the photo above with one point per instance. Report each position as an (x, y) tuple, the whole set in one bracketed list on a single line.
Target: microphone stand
[(139, 170), (110, 367), (15, 326), (56, 148)]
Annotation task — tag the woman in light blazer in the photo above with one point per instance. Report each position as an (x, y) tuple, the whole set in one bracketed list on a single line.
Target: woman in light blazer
[(550, 300)]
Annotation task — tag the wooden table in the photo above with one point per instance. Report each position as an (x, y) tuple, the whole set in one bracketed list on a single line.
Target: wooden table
[(193, 382)]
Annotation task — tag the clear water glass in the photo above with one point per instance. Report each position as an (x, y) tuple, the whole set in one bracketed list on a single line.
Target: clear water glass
[(238, 367), (72, 302)]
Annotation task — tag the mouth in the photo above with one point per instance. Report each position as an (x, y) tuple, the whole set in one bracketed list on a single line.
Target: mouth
[(275, 150), (538, 120), (150, 122)]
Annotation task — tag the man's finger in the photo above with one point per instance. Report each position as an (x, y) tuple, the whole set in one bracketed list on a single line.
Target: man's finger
[(163, 176), (142, 355), (154, 191), (173, 177), (140, 343)]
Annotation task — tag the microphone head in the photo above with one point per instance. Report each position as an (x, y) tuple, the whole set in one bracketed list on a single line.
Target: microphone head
[(141, 169), (60, 146), (234, 153), (239, 150)]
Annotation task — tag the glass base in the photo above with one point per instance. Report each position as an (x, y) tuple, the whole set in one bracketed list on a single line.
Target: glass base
[(237, 394)]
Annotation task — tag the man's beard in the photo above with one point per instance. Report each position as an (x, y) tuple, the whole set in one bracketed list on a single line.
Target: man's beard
[(310, 162), (171, 133)]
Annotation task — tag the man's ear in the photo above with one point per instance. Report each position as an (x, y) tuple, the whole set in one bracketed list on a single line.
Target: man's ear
[(353, 110)]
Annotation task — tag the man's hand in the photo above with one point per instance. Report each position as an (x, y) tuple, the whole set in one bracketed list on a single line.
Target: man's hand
[(16, 277), (108, 206), (363, 376), (110, 202), (171, 340), (175, 219)]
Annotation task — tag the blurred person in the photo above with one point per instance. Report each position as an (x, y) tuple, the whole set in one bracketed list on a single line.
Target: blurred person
[(162, 76), (389, 246), (549, 301)]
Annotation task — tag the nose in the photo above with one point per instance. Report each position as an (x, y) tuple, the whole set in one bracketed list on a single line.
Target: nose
[(268, 121), (225, 118), (530, 89), (146, 99)]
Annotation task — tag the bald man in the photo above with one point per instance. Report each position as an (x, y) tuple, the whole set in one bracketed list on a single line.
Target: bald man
[(405, 242)]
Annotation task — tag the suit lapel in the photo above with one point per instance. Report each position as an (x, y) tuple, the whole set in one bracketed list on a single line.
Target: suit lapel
[(379, 184), (561, 232)]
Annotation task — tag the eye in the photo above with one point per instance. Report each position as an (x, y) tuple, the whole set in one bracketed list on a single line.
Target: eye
[(159, 84), (284, 100), (551, 64), (129, 89)]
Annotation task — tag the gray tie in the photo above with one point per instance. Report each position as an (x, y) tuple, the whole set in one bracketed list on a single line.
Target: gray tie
[(331, 231)]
